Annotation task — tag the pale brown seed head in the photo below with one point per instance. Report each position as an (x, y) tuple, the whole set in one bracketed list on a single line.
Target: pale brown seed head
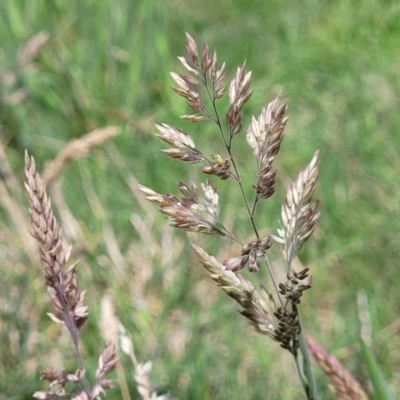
[(258, 307), (191, 48), (174, 137), (299, 212), (264, 136), (239, 94), (62, 283), (343, 383), (76, 149)]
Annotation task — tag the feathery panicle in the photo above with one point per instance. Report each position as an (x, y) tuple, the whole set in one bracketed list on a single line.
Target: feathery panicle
[(188, 89), (109, 322), (207, 69), (264, 136), (202, 86), (259, 309), (180, 211), (299, 213), (191, 200), (343, 384), (187, 220), (65, 297), (204, 74), (180, 141), (142, 378), (175, 137)]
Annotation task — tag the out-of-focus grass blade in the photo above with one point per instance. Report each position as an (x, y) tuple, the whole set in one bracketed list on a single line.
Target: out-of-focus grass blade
[(375, 374)]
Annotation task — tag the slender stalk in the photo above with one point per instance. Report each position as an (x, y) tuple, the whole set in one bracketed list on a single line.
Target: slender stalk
[(271, 275), (75, 339), (307, 368), (251, 216), (229, 149), (301, 377)]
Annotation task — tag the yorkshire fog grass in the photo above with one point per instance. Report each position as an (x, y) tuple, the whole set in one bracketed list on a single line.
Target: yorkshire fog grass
[(68, 69), (202, 87)]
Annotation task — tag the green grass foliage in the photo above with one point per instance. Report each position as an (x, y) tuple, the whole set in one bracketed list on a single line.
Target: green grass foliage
[(108, 63)]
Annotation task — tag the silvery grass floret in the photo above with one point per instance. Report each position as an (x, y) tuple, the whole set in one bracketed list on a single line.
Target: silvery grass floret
[(273, 314), (66, 300)]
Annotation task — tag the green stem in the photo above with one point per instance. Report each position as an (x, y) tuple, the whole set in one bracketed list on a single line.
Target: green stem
[(301, 377), (311, 391), (271, 275)]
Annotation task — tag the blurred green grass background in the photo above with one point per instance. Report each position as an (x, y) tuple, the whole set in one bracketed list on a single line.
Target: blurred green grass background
[(108, 63)]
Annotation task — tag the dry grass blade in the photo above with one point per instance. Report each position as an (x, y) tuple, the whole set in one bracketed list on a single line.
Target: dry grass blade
[(77, 149)]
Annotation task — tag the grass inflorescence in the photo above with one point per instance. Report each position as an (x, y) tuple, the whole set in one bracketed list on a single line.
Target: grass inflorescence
[(63, 75)]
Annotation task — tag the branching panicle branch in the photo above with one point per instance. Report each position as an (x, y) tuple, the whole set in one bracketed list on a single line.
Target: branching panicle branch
[(180, 211), (259, 309)]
